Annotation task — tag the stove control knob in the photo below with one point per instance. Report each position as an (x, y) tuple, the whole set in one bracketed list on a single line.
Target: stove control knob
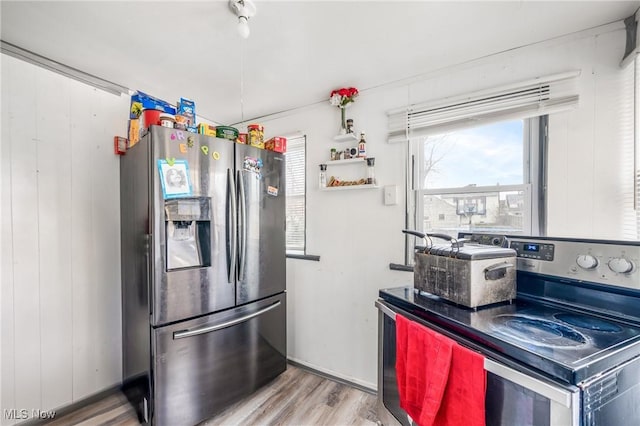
[(620, 265), (586, 261)]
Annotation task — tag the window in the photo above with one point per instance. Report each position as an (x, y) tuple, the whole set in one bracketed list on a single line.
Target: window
[(295, 196), (480, 179), (475, 162)]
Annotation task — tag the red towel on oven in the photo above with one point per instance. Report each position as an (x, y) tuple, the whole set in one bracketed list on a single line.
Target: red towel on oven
[(423, 358), (440, 382), (464, 397)]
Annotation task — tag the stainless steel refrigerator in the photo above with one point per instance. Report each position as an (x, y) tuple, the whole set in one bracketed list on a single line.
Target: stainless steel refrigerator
[(203, 274)]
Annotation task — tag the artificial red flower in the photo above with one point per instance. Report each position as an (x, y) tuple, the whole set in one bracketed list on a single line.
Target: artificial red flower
[(342, 97)]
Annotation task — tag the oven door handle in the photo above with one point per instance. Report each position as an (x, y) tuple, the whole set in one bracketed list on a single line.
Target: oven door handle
[(561, 396), (388, 312)]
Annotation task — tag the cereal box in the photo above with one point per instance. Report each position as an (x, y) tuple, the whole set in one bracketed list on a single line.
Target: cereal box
[(187, 108)]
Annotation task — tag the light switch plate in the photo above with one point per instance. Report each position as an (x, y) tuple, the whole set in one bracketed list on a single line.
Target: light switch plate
[(390, 195)]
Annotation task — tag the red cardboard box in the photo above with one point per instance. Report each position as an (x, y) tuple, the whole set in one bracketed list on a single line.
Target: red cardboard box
[(277, 144)]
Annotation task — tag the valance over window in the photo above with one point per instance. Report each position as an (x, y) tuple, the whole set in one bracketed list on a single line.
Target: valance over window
[(539, 96)]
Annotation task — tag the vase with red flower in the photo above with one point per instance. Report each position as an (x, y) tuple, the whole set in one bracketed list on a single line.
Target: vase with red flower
[(343, 98)]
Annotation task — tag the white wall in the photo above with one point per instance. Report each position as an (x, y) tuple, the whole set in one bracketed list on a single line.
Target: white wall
[(60, 292), (332, 321)]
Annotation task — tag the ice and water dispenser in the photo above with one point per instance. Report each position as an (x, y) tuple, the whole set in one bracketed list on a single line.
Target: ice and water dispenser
[(188, 232)]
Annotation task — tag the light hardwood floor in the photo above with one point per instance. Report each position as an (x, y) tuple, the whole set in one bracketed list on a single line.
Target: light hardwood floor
[(296, 398)]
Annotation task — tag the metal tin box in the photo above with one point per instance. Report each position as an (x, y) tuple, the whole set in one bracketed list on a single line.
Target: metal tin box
[(469, 275)]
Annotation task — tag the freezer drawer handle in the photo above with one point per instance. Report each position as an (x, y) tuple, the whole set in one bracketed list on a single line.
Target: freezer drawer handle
[(189, 333)]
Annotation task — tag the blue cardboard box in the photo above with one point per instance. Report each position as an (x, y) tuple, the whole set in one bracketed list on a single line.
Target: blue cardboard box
[(187, 108), (141, 101)]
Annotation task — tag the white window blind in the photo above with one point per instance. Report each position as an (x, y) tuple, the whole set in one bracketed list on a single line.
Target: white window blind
[(637, 144), (540, 96), (296, 186), (629, 170)]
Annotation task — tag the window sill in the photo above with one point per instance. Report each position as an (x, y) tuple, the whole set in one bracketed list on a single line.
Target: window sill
[(303, 257)]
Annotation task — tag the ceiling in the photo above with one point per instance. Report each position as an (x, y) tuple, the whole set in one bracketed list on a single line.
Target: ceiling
[(298, 51)]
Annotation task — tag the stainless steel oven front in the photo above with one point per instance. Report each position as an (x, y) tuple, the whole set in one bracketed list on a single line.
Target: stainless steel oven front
[(514, 394)]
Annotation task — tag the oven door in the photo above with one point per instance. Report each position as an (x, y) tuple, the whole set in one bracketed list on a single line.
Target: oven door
[(513, 396)]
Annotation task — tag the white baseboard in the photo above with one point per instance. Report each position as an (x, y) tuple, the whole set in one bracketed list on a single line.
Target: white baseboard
[(333, 375)]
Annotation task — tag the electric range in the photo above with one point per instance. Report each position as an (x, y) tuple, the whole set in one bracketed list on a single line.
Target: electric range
[(574, 328)]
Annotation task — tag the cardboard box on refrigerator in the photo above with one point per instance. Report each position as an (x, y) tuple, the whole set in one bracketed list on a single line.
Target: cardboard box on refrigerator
[(277, 144), (134, 132), (187, 108), (207, 129), (141, 101)]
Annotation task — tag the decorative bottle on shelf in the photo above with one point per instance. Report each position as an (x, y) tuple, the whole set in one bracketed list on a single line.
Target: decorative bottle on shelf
[(362, 147), (371, 174), (323, 176)]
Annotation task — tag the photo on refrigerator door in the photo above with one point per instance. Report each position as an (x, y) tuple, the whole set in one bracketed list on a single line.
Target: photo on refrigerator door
[(174, 176)]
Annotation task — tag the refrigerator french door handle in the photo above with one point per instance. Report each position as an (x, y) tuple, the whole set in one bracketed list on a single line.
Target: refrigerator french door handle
[(210, 328), (243, 226), (149, 271), (231, 226)]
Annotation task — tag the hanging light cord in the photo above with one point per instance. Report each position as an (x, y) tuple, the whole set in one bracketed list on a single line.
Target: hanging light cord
[(242, 50)]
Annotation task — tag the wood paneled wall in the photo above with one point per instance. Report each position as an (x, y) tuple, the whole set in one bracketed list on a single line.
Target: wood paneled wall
[(60, 268)]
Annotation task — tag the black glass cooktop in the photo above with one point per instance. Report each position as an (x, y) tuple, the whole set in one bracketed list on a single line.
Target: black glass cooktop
[(540, 332), (570, 345)]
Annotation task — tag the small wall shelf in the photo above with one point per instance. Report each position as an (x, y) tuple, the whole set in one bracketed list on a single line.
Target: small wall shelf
[(346, 187), (347, 161), (348, 137), (359, 160)]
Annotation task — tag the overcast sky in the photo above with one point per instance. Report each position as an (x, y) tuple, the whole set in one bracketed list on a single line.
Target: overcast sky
[(487, 155)]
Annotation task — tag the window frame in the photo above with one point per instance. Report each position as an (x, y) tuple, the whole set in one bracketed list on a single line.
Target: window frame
[(535, 135), (288, 249)]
